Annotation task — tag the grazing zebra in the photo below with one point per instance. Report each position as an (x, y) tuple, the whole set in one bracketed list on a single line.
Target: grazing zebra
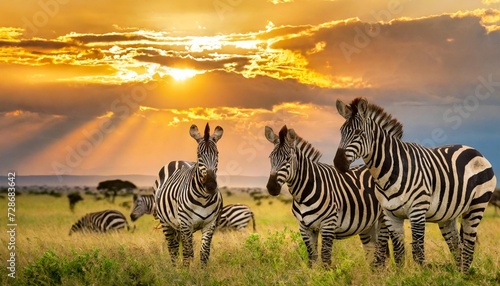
[(417, 183), (103, 221), (143, 204), (189, 200), (326, 202), (235, 217)]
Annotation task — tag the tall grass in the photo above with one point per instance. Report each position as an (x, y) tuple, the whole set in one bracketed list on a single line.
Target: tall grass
[(275, 255)]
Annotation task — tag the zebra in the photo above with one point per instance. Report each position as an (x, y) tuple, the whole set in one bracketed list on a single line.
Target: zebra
[(103, 221), (189, 200), (145, 204), (235, 217), (326, 202), (416, 182)]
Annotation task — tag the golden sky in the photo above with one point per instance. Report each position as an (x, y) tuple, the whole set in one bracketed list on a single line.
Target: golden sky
[(111, 87)]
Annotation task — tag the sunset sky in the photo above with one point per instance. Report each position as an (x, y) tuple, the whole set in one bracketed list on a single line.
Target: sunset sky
[(112, 87)]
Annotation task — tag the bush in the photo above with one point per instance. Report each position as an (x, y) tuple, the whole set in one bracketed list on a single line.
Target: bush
[(86, 269)]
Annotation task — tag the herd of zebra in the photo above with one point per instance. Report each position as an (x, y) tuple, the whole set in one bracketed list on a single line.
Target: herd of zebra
[(398, 181)]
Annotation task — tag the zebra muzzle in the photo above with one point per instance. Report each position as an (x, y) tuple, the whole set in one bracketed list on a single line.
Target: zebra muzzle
[(273, 187), (340, 161), (210, 182), (133, 217)]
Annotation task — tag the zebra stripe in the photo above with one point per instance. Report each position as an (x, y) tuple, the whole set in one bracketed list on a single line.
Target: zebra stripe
[(145, 204), (418, 183), (188, 200), (103, 221), (171, 168), (333, 204), (235, 217)]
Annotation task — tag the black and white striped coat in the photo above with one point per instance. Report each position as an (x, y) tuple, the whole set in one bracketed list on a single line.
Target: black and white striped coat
[(418, 183), (235, 217), (100, 222), (145, 204), (189, 200), (232, 217), (326, 202)]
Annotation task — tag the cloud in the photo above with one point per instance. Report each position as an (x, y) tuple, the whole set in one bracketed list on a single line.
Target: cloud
[(56, 88)]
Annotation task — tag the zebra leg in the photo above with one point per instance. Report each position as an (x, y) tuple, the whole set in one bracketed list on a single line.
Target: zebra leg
[(417, 222), (186, 234), (206, 241), (172, 237), (397, 235), (327, 236), (468, 230), (381, 244), (368, 240), (310, 238), (450, 234)]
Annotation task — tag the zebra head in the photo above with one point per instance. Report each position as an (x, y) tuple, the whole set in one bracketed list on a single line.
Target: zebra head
[(354, 141), (208, 155), (142, 206), (282, 158)]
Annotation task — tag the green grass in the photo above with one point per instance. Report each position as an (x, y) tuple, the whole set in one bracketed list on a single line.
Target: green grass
[(275, 255)]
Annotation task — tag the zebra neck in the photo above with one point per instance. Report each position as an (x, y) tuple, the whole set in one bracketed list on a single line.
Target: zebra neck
[(301, 182), (197, 184), (380, 161)]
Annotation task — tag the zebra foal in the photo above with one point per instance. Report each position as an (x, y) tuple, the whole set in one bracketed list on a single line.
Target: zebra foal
[(416, 182), (103, 221), (333, 204), (188, 200)]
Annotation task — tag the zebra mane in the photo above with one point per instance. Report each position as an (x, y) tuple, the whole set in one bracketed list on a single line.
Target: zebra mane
[(307, 149), (381, 117)]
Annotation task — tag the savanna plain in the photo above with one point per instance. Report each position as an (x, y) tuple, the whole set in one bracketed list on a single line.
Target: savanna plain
[(273, 255)]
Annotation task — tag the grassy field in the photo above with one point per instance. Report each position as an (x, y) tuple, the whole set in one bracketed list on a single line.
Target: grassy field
[(275, 255)]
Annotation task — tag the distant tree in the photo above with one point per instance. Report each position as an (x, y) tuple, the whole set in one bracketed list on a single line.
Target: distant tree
[(74, 198), (114, 186)]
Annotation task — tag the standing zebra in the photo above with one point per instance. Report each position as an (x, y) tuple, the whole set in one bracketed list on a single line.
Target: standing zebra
[(189, 200), (235, 217), (145, 204), (103, 221), (326, 202), (417, 183)]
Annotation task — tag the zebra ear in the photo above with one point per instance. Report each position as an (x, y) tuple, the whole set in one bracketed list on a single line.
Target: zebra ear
[(343, 109), (193, 131), (271, 136), (291, 136), (362, 108), (217, 133)]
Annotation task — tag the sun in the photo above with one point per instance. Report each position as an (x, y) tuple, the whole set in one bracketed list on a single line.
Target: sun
[(182, 74)]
